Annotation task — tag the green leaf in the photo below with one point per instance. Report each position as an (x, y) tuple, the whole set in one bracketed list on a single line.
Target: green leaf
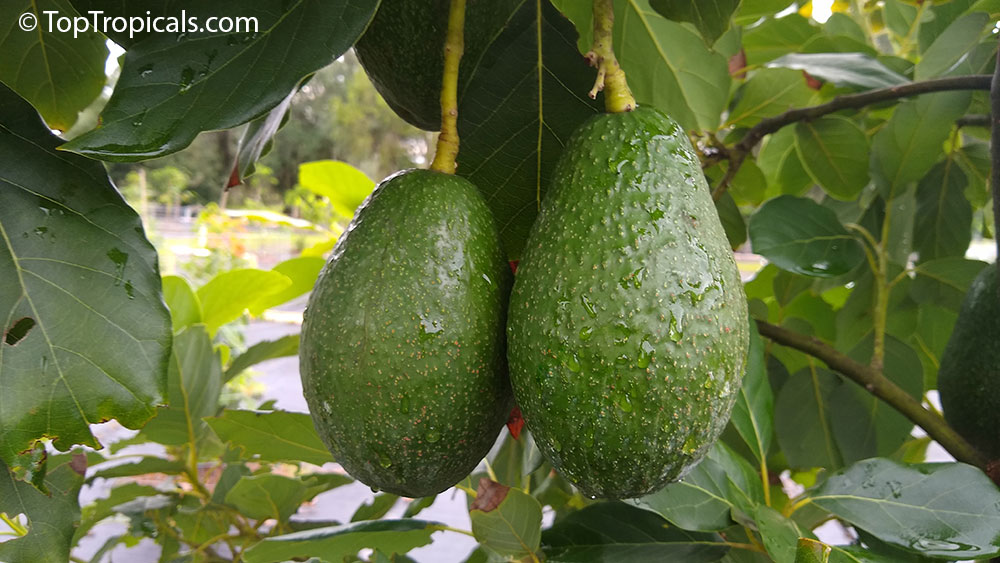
[(802, 419), (526, 98), (944, 282), (105, 507), (176, 85), (51, 517), (753, 413), (80, 281), (951, 46), (846, 70), (943, 225), (263, 351), (377, 508), (59, 73), (202, 524), (505, 520), (229, 294), (334, 543), (947, 510), (194, 382), (767, 93), (711, 17), (302, 272), (780, 534), (834, 151), (909, 144), (899, 16), (185, 309), (613, 531), (811, 551), (777, 37), (344, 185), (258, 137), (417, 505), (934, 326), (779, 160), (141, 466), (732, 220), (686, 79), (272, 435), (267, 496), (317, 483), (798, 235)]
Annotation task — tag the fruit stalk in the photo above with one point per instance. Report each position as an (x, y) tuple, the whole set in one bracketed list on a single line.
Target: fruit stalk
[(610, 76), (447, 144), (877, 384)]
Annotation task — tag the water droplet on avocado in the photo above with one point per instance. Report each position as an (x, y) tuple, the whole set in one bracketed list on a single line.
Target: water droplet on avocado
[(621, 333), (588, 437), (673, 332), (384, 461), (645, 354), (624, 402), (429, 328), (433, 435), (571, 361), (588, 306), (556, 445), (690, 445), (488, 280), (586, 332), (404, 405), (375, 489)]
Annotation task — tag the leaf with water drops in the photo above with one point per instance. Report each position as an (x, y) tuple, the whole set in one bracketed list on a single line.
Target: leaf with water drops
[(800, 236), (176, 84), (948, 510), (86, 334)]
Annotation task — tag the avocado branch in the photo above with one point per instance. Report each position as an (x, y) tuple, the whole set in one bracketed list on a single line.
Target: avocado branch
[(618, 97), (446, 152)]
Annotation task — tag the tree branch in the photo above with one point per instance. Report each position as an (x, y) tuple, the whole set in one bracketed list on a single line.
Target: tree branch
[(974, 120), (770, 125), (877, 384)]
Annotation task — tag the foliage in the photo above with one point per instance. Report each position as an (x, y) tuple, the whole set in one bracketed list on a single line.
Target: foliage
[(865, 211)]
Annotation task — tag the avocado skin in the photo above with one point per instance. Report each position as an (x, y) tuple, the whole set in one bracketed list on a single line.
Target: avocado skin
[(628, 329), (402, 346), (403, 52), (969, 376)]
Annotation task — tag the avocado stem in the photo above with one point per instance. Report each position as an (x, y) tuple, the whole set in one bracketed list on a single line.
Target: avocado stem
[(995, 156), (446, 153), (618, 97)]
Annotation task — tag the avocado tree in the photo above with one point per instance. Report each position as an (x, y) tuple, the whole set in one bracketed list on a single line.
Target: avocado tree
[(852, 154)]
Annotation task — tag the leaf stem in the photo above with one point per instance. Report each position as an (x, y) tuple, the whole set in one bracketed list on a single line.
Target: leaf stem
[(738, 153), (456, 530), (746, 546), (797, 505), (618, 97), (880, 386), (446, 153), (765, 480), (995, 155), (19, 530)]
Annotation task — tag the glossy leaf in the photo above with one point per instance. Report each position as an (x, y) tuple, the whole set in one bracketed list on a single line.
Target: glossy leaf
[(802, 419), (527, 96), (228, 295), (944, 282), (767, 93), (847, 70), (711, 17), (779, 160), (344, 185), (272, 435), (947, 510), (909, 144), (267, 496), (263, 351), (175, 85), (51, 517), (77, 265), (193, 386), (505, 520), (59, 73), (777, 37), (951, 46), (833, 150), (732, 220), (800, 236), (780, 534), (376, 509), (943, 225), (614, 531), (258, 138), (185, 309), (753, 413), (334, 543)]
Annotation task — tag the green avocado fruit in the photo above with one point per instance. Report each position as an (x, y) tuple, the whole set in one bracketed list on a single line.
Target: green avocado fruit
[(969, 376), (403, 52), (402, 346), (628, 329)]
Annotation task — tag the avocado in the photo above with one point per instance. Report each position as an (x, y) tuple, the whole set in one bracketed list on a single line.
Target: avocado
[(402, 346), (969, 376), (403, 52), (628, 329)]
